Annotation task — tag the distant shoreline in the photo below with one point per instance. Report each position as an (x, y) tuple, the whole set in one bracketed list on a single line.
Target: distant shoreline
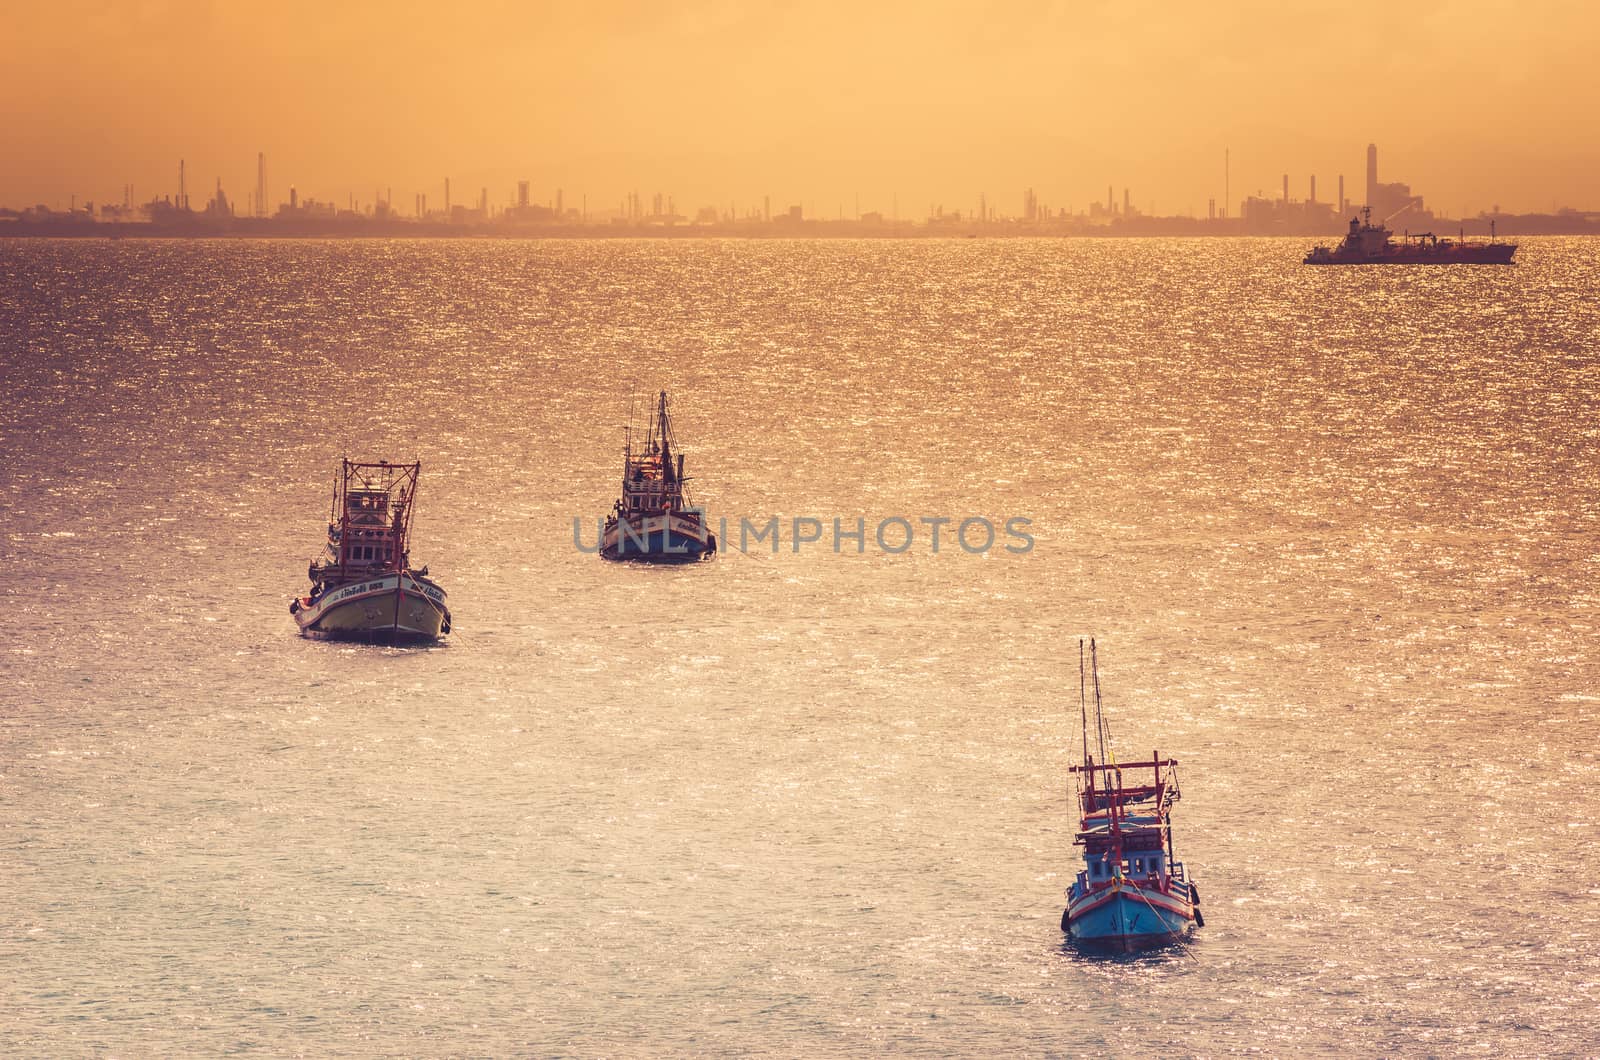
[(420, 232), (1506, 227)]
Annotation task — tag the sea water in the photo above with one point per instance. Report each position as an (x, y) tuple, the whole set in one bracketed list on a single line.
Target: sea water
[(1333, 529)]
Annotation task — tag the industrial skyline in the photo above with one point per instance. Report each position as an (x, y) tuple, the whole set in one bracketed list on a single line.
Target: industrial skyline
[(1258, 213)]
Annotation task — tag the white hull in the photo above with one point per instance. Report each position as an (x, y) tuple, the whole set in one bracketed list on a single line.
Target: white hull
[(387, 607)]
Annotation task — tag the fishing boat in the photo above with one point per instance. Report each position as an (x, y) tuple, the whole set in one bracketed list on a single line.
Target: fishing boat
[(362, 583), (654, 520), (1133, 892)]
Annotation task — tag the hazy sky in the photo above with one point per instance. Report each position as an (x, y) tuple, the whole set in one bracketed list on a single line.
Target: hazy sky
[(1472, 102)]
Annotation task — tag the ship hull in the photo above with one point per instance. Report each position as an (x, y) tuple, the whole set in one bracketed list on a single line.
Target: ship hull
[(1124, 918), (390, 608), (1487, 254), (669, 538)]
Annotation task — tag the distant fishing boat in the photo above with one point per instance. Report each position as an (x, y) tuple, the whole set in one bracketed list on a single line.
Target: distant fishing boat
[(653, 519), (362, 584), (1133, 892)]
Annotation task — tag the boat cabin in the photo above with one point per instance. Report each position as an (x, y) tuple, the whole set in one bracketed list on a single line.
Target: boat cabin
[(1126, 830), (647, 486), (369, 523), (373, 532)]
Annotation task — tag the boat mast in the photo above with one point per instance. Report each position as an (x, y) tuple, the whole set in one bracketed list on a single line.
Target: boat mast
[(650, 435), (1099, 710), (1113, 784), (1083, 714), (398, 524), (1083, 704), (667, 476), (344, 516), (408, 502)]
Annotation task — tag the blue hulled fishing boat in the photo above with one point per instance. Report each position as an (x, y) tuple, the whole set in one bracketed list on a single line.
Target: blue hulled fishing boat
[(654, 519), (1133, 893)]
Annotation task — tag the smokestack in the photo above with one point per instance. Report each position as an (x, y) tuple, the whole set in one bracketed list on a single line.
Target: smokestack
[(446, 194), (1372, 173), (1313, 188), (1286, 189), (1127, 203), (1343, 206), (183, 188), (261, 184)]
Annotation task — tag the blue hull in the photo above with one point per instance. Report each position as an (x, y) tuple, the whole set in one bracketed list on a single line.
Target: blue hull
[(1123, 922), (658, 546)]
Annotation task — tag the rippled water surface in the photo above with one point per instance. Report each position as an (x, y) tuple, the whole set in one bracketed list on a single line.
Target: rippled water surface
[(1334, 529)]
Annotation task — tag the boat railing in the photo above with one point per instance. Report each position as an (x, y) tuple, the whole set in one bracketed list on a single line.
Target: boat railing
[(1174, 879), (1113, 767)]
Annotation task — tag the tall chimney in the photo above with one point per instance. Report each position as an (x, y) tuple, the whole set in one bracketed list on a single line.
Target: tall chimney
[(1372, 173)]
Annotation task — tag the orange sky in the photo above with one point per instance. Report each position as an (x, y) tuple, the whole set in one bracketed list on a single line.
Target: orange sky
[(1472, 102)]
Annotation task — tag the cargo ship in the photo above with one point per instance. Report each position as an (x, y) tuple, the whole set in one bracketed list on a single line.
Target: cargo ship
[(1373, 244), (362, 584), (654, 520), (1133, 892)]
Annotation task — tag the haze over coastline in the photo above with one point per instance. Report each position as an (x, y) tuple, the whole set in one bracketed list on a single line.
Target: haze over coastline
[(895, 109)]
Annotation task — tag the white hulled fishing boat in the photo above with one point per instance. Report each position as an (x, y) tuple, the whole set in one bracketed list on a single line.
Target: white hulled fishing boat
[(362, 584)]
